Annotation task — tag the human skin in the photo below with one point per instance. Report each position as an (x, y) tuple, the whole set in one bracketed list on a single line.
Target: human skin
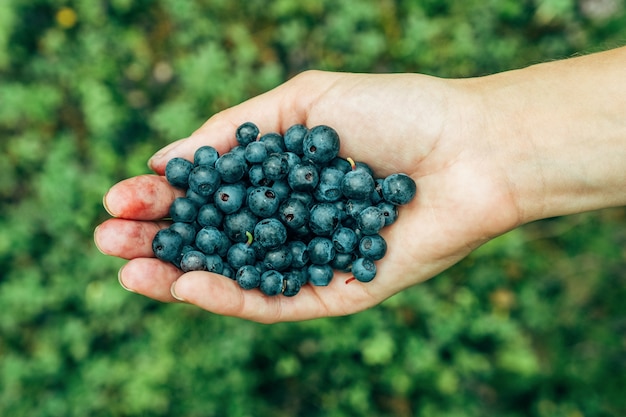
[(488, 154)]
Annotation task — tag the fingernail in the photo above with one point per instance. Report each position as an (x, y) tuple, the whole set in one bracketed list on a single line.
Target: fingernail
[(95, 240), (119, 279), (173, 292), (106, 207), (162, 154)]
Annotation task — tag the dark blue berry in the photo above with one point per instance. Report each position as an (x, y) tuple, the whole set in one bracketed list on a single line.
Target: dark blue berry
[(214, 263), (209, 240), (324, 219), (371, 220), (204, 180), (321, 144), (231, 167), (294, 137), (256, 152), (363, 269), (303, 177), (291, 283), (248, 277), (276, 166), (257, 177), (205, 155), (229, 198), (196, 198), (183, 210), (193, 261), (357, 185), (373, 247), (344, 240), (167, 245), (177, 172), (321, 250), (320, 275), (299, 254), (399, 189), (240, 254), (186, 230), (271, 282), (263, 201), (274, 142), (343, 261), (270, 233), (390, 212), (237, 224), (293, 213), (246, 133), (210, 215), (279, 259), (329, 185)]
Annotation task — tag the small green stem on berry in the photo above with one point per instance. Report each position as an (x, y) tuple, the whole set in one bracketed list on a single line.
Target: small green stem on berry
[(349, 280), (250, 238), (352, 163)]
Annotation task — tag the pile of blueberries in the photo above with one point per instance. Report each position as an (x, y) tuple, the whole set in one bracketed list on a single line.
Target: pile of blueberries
[(279, 211)]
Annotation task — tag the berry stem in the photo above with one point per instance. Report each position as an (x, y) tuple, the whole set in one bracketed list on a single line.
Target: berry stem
[(349, 280), (250, 238), (352, 163)]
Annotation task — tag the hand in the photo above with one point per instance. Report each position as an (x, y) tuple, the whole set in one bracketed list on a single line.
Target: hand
[(429, 128)]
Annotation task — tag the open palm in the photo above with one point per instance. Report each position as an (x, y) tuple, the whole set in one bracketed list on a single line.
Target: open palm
[(422, 126)]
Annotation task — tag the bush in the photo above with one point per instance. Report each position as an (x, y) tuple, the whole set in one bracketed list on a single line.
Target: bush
[(532, 324)]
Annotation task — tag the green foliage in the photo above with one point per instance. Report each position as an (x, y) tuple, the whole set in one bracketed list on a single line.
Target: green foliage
[(532, 324)]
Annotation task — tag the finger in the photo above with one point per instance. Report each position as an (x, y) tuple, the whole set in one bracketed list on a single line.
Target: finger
[(273, 111), (127, 239), (224, 296), (145, 197), (150, 277)]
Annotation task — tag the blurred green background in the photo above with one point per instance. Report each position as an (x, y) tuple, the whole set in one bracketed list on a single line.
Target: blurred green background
[(532, 324)]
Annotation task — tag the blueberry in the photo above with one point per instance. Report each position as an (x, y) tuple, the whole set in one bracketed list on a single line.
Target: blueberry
[(321, 250), (196, 198), (270, 233), (276, 166), (373, 247), (329, 186), (204, 180), (209, 240), (257, 177), (299, 253), (177, 172), (263, 201), (210, 215), (390, 212), (281, 188), (344, 240), (377, 195), (186, 230), (399, 189), (303, 177), (371, 220), (246, 133), (293, 138), (228, 271), (324, 219), (167, 245), (214, 263), (256, 152), (231, 167), (343, 262), (271, 282), (321, 144), (237, 224), (357, 185), (240, 254), (293, 213), (292, 283), (279, 259), (320, 275), (205, 155), (364, 269), (183, 210), (274, 142), (354, 207), (229, 198), (193, 261), (248, 277)]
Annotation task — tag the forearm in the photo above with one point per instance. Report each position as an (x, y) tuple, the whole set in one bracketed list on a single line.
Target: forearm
[(560, 128)]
